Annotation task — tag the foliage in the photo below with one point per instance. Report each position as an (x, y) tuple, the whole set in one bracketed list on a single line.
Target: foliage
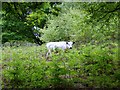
[(93, 61), (77, 24), (89, 66), (100, 66), (81, 22), (102, 12), (69, 25), (23, 67), (20, 18)]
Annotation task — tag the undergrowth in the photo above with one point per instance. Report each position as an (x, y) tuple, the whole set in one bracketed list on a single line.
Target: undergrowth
[(87, 66)]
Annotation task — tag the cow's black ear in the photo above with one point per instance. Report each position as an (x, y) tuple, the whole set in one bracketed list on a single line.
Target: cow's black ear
[(73, 42), (66, 42)]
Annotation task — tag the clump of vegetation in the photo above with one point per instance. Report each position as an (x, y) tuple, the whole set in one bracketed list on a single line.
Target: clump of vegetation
[(88, 67)]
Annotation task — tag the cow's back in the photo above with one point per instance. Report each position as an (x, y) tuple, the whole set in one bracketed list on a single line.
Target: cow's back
[(53, 45)]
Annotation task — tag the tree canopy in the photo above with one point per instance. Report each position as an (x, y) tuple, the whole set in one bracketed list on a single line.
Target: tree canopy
[(84, 23), (80, 22), (19, 19)]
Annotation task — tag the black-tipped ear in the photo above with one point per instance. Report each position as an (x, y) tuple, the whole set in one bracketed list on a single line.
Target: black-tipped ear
[(66, 42)]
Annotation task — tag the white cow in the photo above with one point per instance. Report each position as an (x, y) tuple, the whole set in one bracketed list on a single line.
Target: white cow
[(63, 45)]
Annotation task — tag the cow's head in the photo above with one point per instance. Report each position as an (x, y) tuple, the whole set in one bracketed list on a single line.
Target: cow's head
[(69, 44)]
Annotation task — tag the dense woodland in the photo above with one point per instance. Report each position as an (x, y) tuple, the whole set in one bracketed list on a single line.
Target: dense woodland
[(28, 26)]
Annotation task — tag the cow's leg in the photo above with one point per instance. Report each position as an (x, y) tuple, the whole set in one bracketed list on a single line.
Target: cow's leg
[(47, 55), (49, 52)]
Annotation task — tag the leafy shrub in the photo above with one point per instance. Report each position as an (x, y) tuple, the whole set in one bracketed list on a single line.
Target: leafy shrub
[(69, 25)]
